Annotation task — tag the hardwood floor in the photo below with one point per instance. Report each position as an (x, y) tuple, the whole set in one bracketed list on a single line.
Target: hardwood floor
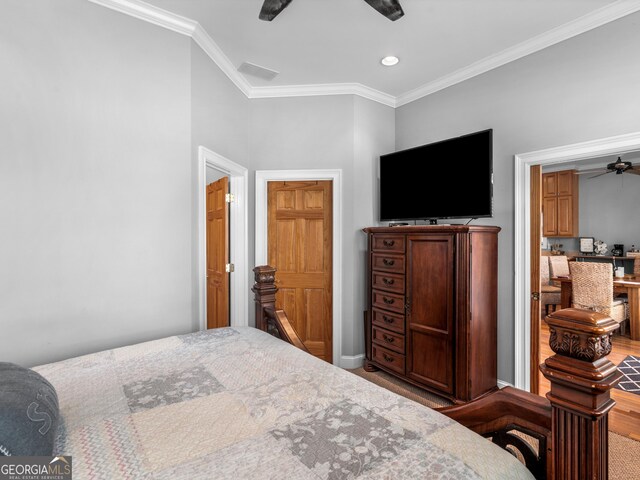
[(624, 419)]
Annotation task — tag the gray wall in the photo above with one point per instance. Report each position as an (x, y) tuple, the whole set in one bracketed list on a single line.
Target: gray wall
[(95, 209), (374, 130), (584, 88), (219, 122), (606, 212), (343, 132), (609, 209)]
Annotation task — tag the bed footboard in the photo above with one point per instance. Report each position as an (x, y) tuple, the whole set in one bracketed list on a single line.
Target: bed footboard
[(571, 424), (272, 321), (569, 428), (504, 416)]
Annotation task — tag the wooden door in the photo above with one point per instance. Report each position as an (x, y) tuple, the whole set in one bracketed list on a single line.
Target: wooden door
[(300, 248), (217, 254), (535, 239), (430, 310)]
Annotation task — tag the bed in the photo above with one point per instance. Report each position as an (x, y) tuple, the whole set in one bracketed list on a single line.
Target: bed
[(240, 403)]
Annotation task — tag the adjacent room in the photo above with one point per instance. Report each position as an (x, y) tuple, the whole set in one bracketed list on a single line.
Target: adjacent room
[(320, 238)]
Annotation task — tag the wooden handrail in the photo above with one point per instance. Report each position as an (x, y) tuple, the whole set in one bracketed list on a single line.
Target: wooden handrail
[(571, 424), (268, 319), (498, 414)]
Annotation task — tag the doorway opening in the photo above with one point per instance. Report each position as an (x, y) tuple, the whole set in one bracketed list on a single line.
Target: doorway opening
[(209, 161), (524, 163)]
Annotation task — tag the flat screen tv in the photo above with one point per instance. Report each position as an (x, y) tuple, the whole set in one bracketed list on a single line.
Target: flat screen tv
[(452, 178)]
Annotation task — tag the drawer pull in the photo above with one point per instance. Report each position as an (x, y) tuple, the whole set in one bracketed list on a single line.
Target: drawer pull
[(388, 301), (388, 358), (388, 281), (388, 262), (389, 243), (387, 338), (388, 319)]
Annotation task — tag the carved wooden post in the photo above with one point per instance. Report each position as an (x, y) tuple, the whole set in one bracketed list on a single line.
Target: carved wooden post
[(581, 377), (265, 292)]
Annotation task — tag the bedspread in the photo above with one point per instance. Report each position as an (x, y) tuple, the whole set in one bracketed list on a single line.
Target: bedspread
[(236, 403)]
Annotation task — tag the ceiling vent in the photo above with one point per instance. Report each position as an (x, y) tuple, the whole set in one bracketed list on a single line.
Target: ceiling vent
[(257, 71)]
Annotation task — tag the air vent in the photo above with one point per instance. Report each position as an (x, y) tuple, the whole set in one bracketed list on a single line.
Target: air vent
[(257, 71)]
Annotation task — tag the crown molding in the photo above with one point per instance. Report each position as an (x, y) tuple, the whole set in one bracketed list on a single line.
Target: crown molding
[(151, 14), (617, 145), (587, 22), (185, 26), (211, 48), (324, 89)]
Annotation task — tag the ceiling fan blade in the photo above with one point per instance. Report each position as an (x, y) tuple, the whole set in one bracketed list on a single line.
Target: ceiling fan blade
[(389, 8), (272, 8), (635, 170), (596, 176)]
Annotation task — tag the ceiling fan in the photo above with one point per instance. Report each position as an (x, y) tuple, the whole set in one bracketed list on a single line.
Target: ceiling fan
[(389, 8), (620, 167)]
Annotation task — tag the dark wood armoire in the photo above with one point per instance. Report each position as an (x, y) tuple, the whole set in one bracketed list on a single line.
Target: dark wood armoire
[(431, 314)]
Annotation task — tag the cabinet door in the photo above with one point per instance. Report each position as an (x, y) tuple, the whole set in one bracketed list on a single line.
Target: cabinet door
[(549, 184), (550, 217), (565, 182), (565, 216), (429, 314)]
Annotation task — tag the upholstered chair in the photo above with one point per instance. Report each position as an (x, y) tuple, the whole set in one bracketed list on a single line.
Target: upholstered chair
[(550, 294), (559, 265), (592, 289)]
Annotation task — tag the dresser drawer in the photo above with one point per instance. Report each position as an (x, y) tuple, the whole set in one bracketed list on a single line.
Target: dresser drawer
[(387, 358), (388, 243), (388, 339), (391, 282), (388, 320), (387, 262), (388, 301)]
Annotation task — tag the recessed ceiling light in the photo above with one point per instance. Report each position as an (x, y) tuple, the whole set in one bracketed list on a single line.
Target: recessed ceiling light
[(389, 61)]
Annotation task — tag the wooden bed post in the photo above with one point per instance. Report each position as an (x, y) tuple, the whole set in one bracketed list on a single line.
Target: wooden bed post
[(581, 378), (268, 319), (265, 292)]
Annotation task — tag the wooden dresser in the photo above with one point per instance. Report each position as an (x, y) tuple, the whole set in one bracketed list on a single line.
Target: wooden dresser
[(432, 307)]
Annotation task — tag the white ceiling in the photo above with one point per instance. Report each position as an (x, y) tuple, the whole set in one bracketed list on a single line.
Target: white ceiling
[(332, 47), (342, 41)]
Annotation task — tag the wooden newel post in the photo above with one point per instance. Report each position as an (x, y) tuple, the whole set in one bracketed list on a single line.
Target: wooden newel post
[(265, 292), (581, 378)]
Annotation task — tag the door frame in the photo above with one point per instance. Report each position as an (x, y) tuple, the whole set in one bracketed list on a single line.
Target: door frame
[(239, 242), (615, 145), (265, 176)]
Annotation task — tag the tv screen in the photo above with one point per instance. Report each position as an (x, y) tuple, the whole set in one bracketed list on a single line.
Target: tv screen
[(448, 179)]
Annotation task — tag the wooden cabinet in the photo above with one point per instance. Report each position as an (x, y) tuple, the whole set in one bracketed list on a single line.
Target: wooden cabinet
[(432, 303), (560, 204)]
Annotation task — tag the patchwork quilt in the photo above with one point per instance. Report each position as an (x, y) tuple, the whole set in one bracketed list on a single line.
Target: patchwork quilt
[(237, 403)]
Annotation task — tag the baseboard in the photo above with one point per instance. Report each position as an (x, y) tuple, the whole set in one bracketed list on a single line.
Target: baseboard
[(351, 362), (502, 384)]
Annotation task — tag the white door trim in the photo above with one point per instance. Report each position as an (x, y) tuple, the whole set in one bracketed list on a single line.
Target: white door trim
[(264, 176), (238, 223), (616, 145)]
